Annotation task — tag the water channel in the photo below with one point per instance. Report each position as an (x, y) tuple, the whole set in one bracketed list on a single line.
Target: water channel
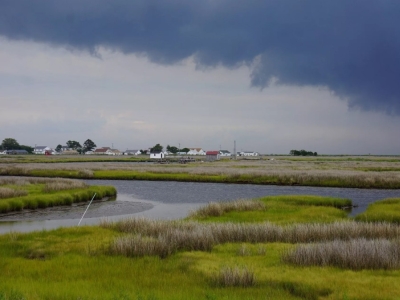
[(171, 200)]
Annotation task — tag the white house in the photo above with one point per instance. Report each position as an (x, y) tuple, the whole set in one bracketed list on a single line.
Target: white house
[(132, 152), (113, 152), (42, 150), (248, 153), (196, 151), (157, 155), (224, 153)]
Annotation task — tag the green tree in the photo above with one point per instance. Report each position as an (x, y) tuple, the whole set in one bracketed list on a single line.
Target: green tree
[(10, 144), (186, 150), (58, 148), (157, 148), (88, 145), (172, 149), (74, 145)]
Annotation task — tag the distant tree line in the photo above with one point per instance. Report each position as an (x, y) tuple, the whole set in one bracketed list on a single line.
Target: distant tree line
[(12, 144), (88, 145), (159, 148), (303, 153)]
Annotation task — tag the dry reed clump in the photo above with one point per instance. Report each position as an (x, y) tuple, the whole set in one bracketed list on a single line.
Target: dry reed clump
[(140, 246), (13, 170), (86, 173), (216, 209), (235, 277), (13, 181), (355, 254), (11, 193), (191, 236), (64, 184)]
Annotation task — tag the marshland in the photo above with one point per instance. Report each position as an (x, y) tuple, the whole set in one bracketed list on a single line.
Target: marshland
[(329, 171), (270, 247)]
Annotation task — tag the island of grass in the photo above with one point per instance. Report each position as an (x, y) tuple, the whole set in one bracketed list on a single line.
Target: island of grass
[(248, 249), (17, 194)]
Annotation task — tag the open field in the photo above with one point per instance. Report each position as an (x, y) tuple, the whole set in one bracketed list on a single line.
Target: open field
[(199, 258), (340, 171)]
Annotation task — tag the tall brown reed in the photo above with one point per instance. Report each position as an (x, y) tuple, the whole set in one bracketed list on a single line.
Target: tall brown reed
[(215, 209), (11, 193), (180, 235), (355, 254), (64, 184), (235, 277)]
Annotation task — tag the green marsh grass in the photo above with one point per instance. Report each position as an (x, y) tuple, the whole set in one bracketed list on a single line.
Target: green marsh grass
[(34, 193), (276, 209), (387, 210), (365, 172), (198, 260)]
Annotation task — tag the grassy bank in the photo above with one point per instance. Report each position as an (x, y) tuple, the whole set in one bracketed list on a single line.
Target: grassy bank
[(35, 193), (200, 258), (377, 180), (387, 210), (277, 209)]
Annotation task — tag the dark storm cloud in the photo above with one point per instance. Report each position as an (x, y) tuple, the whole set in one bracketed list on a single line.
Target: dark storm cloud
[(350, 46)]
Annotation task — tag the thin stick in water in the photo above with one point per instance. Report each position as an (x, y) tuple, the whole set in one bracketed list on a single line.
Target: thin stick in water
[(86, 209)]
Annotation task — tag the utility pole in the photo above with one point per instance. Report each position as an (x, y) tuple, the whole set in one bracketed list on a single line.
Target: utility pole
[(234, 149)]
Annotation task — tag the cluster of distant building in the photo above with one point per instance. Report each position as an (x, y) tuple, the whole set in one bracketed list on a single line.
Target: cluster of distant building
[(210, 155)]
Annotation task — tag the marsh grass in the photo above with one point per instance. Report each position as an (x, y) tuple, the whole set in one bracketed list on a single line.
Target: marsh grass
[(34, 193), (6, 192), (235, 277), (276, 209), (387, 210), (355, 254), (194, 236), (216, 209), (333, 172), (65, 184)]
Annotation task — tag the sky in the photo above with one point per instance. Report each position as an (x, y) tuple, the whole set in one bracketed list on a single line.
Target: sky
[(272, 75)]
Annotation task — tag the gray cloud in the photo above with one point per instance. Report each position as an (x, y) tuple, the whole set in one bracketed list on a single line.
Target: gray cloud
[(351, 47)]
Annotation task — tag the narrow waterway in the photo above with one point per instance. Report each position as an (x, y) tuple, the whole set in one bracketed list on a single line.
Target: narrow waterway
[(171, 200)]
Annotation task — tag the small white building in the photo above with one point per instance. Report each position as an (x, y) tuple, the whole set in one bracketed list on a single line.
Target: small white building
[(113, 152), (157, 155), (248, 153), (212, 155), (42, 150), (132, 152), (196, 151), (224, 153)]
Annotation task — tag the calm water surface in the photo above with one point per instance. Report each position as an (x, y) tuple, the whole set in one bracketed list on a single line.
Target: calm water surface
[(173, 200)]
